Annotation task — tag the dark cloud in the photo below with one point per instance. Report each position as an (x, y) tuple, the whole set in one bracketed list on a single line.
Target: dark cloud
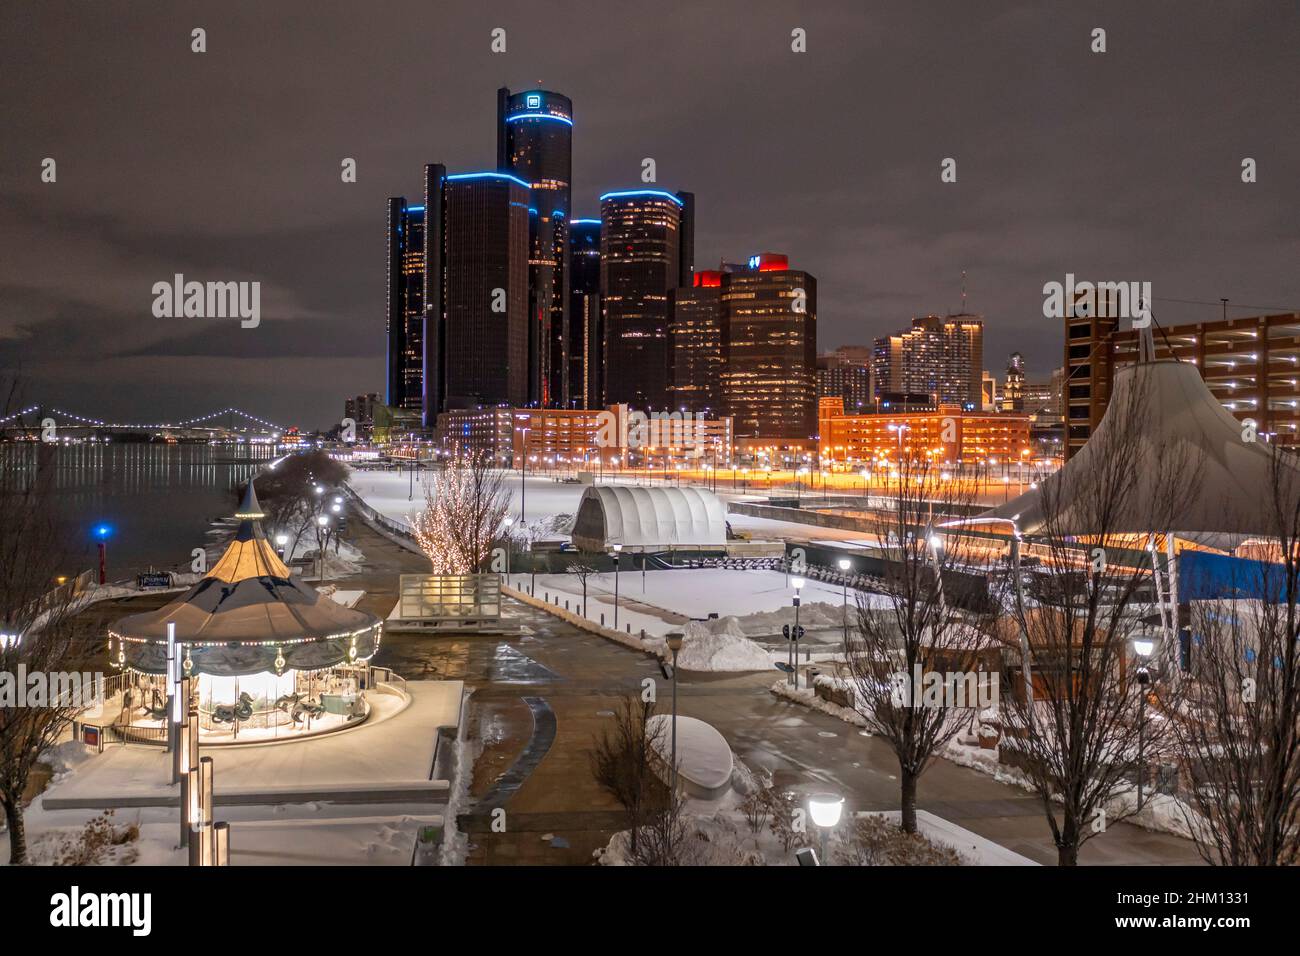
[(225, 165)]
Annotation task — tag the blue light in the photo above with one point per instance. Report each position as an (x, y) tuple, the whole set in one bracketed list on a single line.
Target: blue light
[(103, 531), (540, 116), (415, 209), (584, 222), (513, 179), (558, 214), (642, 192)]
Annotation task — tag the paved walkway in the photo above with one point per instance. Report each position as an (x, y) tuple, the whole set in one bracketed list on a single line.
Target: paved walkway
[(556, 814)]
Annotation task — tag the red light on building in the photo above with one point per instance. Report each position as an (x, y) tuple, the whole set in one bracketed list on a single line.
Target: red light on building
[(708, 279), (772, 262)]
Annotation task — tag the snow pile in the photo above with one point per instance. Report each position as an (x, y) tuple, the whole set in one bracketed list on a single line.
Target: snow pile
[(720, 645)]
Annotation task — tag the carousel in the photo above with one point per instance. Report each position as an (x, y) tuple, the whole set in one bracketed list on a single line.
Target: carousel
[(270, 657)]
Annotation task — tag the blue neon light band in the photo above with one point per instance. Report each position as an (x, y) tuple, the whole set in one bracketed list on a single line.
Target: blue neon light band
[(513, 179), (642, 192), (539, 116)]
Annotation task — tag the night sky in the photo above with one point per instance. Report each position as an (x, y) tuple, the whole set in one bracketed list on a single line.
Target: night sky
[(225, 166)]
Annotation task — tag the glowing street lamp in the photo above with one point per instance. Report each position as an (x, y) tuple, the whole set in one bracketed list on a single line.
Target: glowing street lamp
[(825, 810), (617, 549)]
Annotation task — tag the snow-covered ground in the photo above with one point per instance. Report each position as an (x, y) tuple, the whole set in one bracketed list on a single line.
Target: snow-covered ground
[(396, 497), (662, 601)]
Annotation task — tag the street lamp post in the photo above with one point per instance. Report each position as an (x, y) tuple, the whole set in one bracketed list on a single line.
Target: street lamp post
[(617, 549), (825, 810), (508, 522), (322, 523), (674, 640), (1144, 649), (794, 635), (101, 534), (845, 564)]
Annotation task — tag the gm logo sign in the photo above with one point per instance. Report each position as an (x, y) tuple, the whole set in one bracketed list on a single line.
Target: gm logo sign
[(534, 101)]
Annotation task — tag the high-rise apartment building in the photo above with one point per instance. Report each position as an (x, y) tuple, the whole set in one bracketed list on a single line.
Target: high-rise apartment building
[(535, 143), (941, 356), (769, 353), (641, 251), (586, 330)]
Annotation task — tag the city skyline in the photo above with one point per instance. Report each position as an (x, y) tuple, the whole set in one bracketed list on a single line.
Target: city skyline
[(230, 172)]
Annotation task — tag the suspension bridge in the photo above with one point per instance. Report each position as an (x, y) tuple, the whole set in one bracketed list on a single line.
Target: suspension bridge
[(49, 423)]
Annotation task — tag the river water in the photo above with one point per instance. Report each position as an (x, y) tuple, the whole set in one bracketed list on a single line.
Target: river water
[(157, 500)]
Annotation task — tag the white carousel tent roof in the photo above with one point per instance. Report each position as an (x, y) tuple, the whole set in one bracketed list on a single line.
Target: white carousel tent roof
[(649, 518), (1176, 420)]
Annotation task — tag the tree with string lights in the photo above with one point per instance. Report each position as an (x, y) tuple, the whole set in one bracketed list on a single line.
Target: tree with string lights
[(464, 507)]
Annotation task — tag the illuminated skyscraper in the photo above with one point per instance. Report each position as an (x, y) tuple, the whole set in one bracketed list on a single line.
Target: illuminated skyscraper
[(452, 339), (769, 352), (535, 143), (586, 330), (405, 305), (485, 338), (641, 251)]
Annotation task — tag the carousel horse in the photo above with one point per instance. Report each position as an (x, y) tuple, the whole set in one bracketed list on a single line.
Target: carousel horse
[(158, 710), (305, 707), (229, 713), (285, 701)]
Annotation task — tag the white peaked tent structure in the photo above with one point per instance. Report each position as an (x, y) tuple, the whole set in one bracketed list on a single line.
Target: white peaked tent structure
[(1162, 416), (1177, 420), (649, 519)]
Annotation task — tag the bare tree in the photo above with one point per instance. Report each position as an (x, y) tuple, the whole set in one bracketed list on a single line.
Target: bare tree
[(1082, 720), (892, 656), (36, 632), (624, 762), (583, 572), (1241, 722), (464, 507), (288, 496)]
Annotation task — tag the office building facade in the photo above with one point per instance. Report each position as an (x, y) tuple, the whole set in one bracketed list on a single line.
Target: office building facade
[(843, 375), (695, 340), (769, 353), (485, 339)]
